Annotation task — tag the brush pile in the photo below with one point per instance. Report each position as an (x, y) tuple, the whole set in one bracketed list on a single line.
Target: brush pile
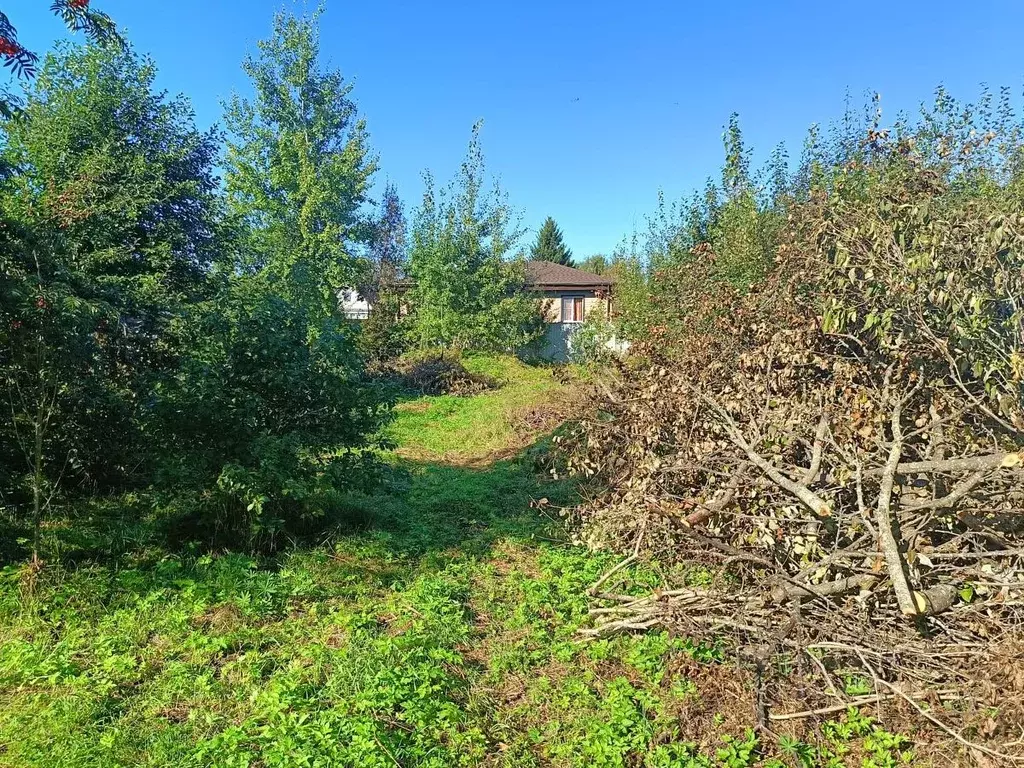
[(845, 447), (438, 373)]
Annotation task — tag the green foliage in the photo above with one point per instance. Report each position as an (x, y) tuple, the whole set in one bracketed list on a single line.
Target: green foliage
[(148, 340), (266, 419), (721, 240), (119, 178), (923, 259), (109, 226), (383, 336), (298, 167), (77, 16), (550, 245), (597, 264), (388, 248), (739, 753), (593, 342), (468, 295)]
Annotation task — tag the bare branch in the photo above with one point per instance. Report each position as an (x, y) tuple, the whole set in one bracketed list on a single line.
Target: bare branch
[(883, 519)]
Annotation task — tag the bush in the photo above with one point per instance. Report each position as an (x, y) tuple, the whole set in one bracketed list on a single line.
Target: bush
[(595, 341), (267, 419), (383, 336)]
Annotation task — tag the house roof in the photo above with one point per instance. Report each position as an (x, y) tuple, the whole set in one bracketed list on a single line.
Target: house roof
[(544, 275), (548, 274)]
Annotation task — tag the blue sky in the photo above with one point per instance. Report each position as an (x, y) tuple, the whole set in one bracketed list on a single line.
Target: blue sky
[(589, 107)]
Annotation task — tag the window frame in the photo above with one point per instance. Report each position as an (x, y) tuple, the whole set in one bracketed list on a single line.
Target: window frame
[(583, 308)]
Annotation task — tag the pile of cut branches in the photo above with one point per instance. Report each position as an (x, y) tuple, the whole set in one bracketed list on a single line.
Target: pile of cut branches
[(846, 446), (438, 373)]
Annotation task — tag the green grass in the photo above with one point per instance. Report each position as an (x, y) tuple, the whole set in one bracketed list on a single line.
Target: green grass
[(435, 627), (451, 428)]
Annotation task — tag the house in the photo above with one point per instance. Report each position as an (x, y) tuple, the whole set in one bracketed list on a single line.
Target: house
[(569, 296), (354, 306)]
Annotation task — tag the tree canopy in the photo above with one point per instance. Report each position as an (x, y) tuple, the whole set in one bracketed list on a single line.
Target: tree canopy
[(111, 222), (77, 15), (298, 167), (157, 333), (468, 293)]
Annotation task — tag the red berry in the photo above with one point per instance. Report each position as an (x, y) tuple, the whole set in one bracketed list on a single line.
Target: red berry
[(41, 303), (16, 324), (9, 48), (78, 3)]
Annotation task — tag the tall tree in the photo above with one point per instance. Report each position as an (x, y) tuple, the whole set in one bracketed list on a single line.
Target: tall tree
[(298, 167), (279, 413), (467, 293), (76, 15), (550, 245), (598, 264), (388, 247)]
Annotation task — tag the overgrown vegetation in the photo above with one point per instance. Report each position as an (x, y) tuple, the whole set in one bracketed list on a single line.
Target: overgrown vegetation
[(437, 373), (157, 337), (468, 294), (437, 626), (842, 435), (241, 529)]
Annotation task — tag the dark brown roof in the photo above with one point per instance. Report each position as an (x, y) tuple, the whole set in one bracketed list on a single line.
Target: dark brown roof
[(545, 275), (548, 274)]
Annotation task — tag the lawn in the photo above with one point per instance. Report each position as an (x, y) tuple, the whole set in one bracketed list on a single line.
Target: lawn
[(460, 429), (435, 626)]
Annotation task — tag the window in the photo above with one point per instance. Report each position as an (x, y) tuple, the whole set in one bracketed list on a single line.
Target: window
[(572, 309)]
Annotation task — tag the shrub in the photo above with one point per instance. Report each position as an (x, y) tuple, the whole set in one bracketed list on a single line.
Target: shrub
[(267, 418), (383, 336), (595, 341)]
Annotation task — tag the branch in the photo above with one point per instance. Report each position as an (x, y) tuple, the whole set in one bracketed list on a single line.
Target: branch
[(970, 463), (816, 451), (600, 582), (861, 581), (801, 491), (883, 519), (950, 499), (709, 510)]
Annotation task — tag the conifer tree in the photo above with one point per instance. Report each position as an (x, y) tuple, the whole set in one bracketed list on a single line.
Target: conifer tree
[(550, 245), (387, 253)]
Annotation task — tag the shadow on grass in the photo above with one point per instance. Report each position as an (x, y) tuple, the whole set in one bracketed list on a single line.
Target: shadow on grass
[(419, 510), (425, 508)]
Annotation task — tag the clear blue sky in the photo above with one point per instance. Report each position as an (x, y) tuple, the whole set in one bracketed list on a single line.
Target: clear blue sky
[(589, 107)]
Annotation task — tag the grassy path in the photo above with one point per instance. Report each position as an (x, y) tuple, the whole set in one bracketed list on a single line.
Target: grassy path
[(437, 628)]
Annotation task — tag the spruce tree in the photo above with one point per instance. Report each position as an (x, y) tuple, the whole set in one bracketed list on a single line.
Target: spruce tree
[(387, 252), (550, 246)]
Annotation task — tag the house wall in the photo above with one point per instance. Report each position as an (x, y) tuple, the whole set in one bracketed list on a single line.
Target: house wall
[(353, 306), (553, 303), (558, 336)]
